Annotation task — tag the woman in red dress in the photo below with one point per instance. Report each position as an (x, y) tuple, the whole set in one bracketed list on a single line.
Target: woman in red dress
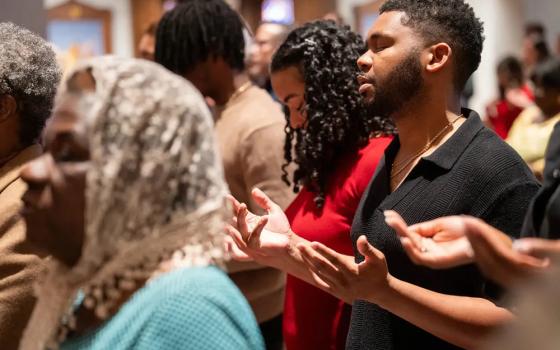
[(335, 145), (515, 96)]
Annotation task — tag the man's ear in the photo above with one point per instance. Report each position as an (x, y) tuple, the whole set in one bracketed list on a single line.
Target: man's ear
[(8, 107), (439, 55)]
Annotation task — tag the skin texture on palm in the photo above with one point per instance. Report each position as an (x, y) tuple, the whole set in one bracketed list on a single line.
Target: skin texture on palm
[(371, 281), (339, 275), (437, 244), (457, 240), (266, 239)]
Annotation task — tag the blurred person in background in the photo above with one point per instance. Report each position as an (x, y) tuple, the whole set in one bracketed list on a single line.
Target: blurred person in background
[(531, 131), (535, 28), (128, 201), (535, 49), (147, 43), (334, 16), (338, 145), (203, 42), (268, 37), (29, 76), (514, 96)]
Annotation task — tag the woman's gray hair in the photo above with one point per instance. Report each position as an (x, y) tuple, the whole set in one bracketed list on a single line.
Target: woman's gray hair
[(30, 73)]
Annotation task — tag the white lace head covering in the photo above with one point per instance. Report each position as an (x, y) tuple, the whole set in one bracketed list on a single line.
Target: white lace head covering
[(154, 193)]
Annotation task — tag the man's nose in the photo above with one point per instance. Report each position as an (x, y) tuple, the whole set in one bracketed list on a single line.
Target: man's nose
[(365, 62)]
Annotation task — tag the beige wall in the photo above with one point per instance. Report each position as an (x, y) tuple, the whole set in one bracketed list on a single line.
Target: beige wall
[(503, 26), (26, 13), (547, 12)]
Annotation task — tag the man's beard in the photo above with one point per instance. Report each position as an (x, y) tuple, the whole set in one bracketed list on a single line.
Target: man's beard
[(402, 84)]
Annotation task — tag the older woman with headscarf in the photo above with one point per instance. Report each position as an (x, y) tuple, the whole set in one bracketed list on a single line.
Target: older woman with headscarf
[(129, 201)]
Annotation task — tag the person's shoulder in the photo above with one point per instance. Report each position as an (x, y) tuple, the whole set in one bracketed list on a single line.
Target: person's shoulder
[(370, 154), (491, 152), (375, 147), (258, 108), (493, 166), (201, 307), (192, 281), (188, 294), (527, 116)]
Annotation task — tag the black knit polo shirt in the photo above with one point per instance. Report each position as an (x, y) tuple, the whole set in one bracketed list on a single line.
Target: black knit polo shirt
[(473, 173)]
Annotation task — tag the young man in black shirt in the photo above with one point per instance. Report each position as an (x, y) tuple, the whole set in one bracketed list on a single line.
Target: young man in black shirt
[(444, 162)]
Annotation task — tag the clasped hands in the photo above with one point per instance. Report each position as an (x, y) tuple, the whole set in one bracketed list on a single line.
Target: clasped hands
[(269, 240)]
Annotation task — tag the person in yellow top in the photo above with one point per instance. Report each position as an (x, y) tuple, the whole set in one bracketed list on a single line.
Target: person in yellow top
[(531, 131)]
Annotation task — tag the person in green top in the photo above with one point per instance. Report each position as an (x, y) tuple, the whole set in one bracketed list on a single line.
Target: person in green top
[(129, 202)]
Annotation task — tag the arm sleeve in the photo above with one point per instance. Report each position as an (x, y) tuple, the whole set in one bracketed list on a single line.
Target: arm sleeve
[(508, 210), (262, 156), (507, 214)]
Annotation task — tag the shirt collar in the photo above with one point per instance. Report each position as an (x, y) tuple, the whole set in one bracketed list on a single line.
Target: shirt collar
[(448, 153)]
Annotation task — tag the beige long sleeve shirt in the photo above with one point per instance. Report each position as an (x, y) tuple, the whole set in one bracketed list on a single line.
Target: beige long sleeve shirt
[(18, 263), (250, 134)]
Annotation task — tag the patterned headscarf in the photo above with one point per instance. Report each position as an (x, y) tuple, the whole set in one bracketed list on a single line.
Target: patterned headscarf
[(154, 192)]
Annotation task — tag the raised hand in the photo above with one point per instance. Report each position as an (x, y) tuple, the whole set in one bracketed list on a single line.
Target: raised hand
[(342, 277), (261, 238), (439, 244)]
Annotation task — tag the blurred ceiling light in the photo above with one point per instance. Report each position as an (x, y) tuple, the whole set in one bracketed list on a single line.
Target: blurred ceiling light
[(278, 11)]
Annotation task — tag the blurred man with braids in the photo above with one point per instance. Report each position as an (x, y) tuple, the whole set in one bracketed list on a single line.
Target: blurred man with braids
[(443, 162), (337, 148), (203, 42), (29, 76)]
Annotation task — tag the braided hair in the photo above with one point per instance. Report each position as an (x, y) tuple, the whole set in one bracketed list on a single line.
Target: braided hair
[(196, 30), (337, 119)]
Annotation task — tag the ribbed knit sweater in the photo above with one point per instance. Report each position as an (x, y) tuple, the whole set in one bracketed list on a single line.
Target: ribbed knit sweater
[(473, 173)]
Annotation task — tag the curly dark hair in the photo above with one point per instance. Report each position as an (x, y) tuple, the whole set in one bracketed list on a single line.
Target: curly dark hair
[(450, 21), (337, 119), (30, 73), (196, 30)]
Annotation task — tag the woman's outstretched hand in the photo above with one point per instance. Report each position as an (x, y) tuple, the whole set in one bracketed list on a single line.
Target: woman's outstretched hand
[(263, 239)]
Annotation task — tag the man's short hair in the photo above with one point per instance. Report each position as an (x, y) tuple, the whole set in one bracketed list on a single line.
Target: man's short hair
[(30, 73), (547, 74), (533, 28), (451, 21), (196, 30)]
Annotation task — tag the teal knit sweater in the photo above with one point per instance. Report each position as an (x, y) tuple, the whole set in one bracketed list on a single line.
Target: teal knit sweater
[(193, 308)]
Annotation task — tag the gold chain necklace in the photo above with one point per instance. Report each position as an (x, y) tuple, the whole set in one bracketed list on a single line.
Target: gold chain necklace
[(407, 162), (239, 91)]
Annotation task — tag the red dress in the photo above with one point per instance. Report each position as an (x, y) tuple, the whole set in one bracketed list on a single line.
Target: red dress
[(502, 113), (314, 319)]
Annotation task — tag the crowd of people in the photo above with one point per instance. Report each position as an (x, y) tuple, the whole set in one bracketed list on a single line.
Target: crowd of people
[(303, 189)]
